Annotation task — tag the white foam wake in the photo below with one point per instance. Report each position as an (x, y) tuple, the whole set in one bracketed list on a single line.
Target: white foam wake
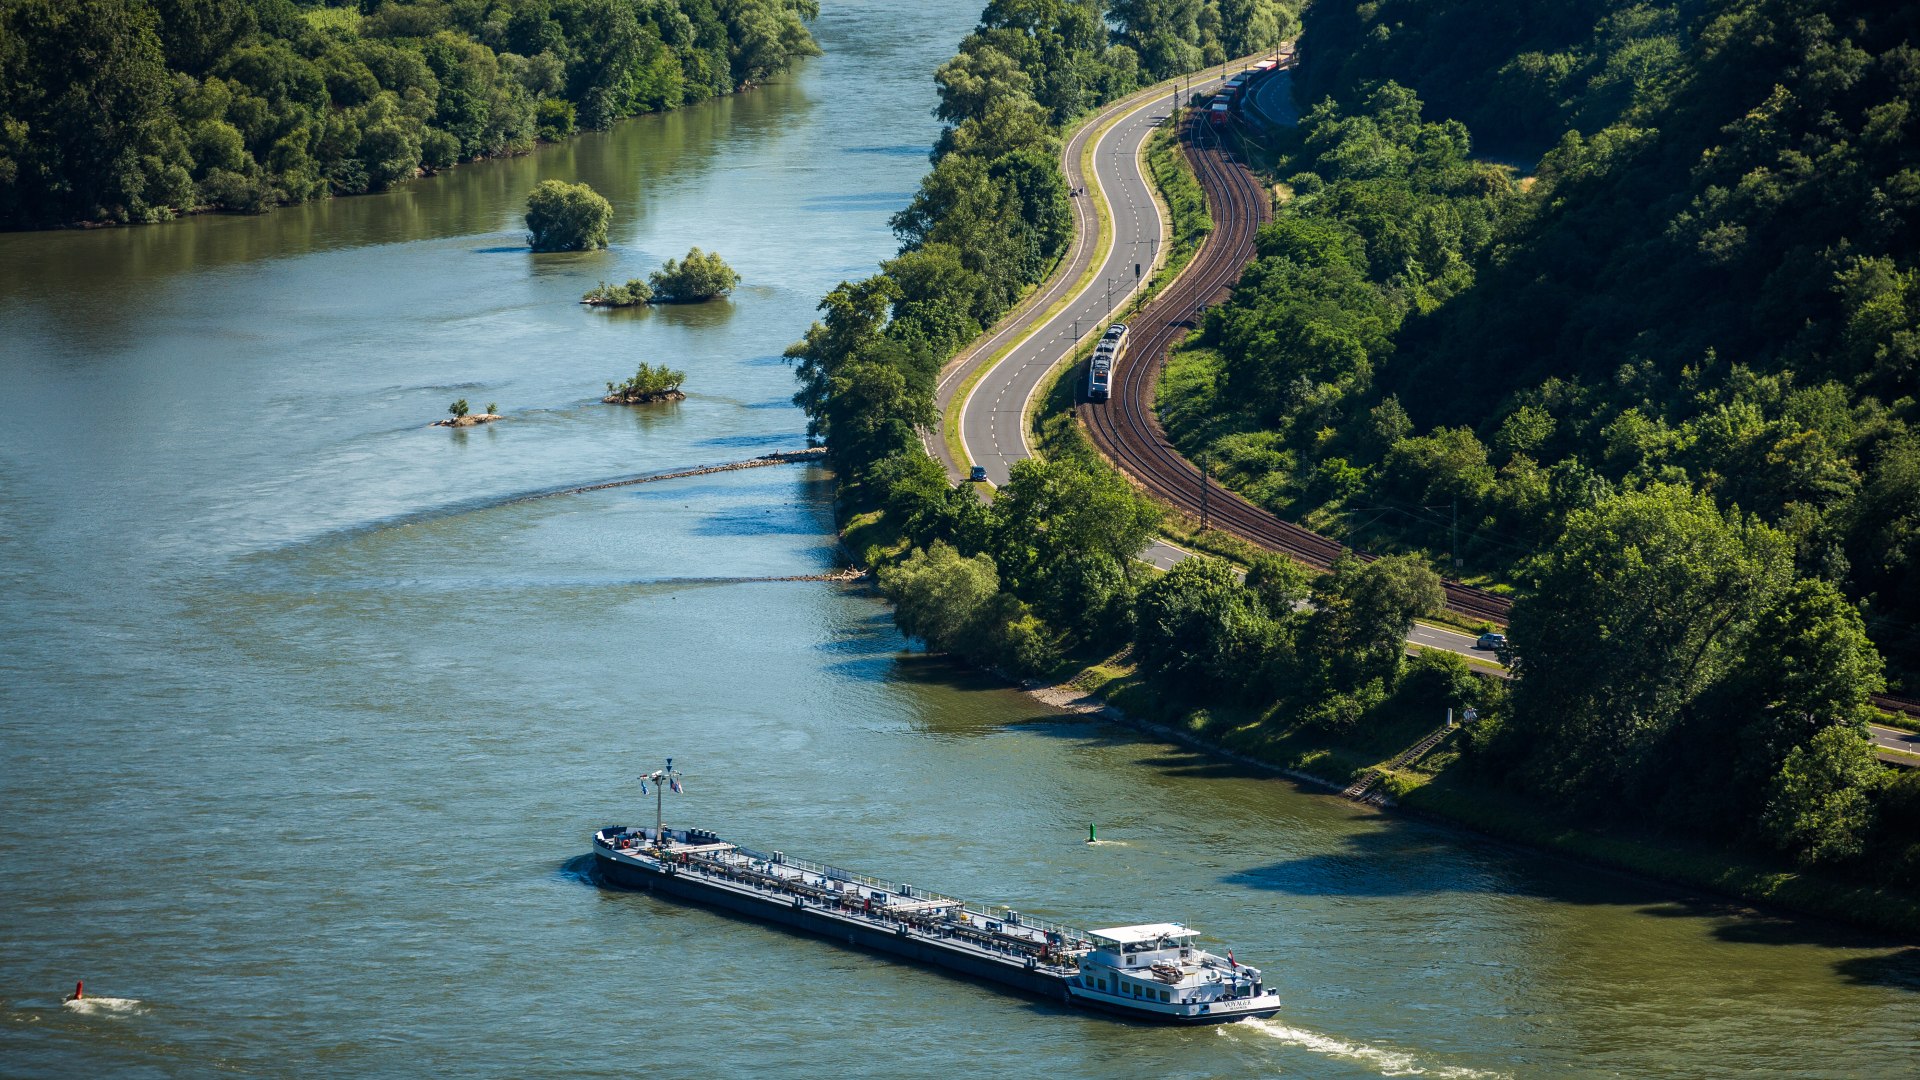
[(1388, 1062), (106, 1006)]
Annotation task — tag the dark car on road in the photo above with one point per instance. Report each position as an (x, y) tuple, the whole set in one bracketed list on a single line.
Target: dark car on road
[(978, 474)]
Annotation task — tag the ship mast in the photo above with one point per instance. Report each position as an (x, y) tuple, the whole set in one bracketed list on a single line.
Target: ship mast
[(662, 779)]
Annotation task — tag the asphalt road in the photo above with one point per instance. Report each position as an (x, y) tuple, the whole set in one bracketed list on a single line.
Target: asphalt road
[(1886, 738), (993, 431), (1272, 98)]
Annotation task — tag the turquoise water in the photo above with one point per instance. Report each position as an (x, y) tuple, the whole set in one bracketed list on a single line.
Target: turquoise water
[(307, 720)]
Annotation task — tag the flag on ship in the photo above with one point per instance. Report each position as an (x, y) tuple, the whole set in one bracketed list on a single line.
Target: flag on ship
[(674, 781), (643, 787)]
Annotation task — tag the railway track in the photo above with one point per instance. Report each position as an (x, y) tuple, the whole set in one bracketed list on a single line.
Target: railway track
[(1129, 433), (1894, 703)]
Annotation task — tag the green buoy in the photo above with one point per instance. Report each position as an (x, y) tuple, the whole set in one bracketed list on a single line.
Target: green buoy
[(1090, 838)]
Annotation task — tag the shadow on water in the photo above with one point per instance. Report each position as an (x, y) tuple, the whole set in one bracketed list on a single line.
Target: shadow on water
[(1744, 925), (701, 315), (772, 438), (1900, 971), (1195, 765), (938, 669), (1393, 861)]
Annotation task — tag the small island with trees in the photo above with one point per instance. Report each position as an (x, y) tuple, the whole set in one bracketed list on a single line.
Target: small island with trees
[(459, 415), (567, 217), (699, 277), (648, 385)]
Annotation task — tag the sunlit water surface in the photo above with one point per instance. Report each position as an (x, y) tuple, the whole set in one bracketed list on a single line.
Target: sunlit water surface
[(306, 721)]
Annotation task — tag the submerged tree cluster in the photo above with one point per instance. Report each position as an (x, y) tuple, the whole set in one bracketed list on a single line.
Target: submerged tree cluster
[(701, 276), (648, 384), (134, 110)]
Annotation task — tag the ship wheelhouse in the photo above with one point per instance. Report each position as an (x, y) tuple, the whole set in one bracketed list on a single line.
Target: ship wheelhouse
[(1156, 969)]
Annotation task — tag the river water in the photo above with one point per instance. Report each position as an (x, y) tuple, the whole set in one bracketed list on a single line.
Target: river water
[(306, 719)]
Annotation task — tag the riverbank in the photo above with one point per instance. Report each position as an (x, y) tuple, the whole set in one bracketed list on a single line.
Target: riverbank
[(1435, 789), (1438, 786)]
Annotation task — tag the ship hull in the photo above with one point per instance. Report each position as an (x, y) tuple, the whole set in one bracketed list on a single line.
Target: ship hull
[(822, 923), (1089, 1001)]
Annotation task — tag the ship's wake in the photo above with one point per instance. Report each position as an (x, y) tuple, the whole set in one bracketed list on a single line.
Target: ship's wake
[(105, 1006), (1387, 1062)]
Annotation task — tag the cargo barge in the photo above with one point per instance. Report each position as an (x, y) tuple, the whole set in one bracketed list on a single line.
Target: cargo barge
[(1153, 972)]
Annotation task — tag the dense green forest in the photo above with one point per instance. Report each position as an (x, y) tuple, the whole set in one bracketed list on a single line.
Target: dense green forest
[(1518, 75), (135, 110), (1049, 565), (1663, 383)]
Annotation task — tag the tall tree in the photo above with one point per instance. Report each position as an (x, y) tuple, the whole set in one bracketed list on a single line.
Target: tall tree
[(1643, 603)]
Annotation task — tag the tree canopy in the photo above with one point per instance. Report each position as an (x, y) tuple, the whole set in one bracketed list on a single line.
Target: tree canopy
[(566, 217), (134, 110), (700, 276)]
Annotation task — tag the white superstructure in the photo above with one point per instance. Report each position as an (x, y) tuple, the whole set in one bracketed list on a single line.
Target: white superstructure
[(1156, 968)]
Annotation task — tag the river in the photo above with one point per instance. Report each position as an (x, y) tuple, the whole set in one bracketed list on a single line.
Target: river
[(307, 718)]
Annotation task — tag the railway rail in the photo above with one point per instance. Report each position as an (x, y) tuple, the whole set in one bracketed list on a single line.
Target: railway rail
[(1129, 433)]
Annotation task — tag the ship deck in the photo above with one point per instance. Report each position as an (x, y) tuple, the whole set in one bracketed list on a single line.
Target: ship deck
[(948, 924)]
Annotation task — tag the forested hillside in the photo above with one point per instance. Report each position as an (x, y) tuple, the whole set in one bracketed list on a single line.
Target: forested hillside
[(1517, 75), (1663, 383), (1709, 280), (135, 110)]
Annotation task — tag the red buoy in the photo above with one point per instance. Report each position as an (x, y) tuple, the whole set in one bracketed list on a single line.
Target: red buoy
[(79, 990)]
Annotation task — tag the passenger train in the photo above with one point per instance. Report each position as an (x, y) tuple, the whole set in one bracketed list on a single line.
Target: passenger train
[(1106, 356)]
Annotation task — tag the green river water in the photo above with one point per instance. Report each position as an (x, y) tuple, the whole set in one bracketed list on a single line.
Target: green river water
[(306, 720)]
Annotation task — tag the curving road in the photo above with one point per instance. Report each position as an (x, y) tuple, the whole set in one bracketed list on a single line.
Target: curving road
[(992, 411)]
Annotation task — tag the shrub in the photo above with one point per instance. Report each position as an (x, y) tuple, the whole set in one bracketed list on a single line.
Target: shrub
[(634, 293), (649, 382), (458, 408), (439, 150), (699, 277), (554, 119), (235, 192), (567, 217)]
